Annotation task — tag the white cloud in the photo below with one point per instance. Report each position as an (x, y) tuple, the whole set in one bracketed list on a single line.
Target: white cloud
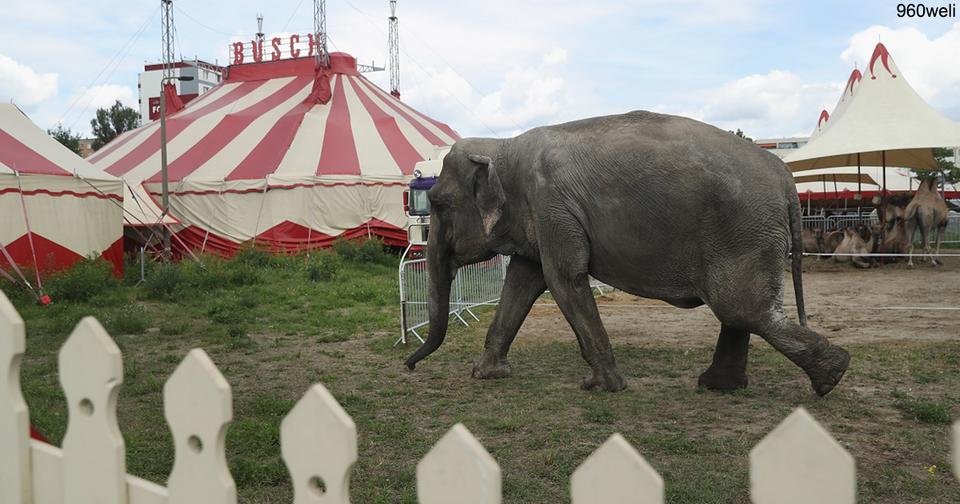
[(782, 103), (525, 96), (23, 85), (777, 103), (103, 96)]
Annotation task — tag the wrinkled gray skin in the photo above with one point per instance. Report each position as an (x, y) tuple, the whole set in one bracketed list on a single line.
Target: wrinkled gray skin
[(658, 206)]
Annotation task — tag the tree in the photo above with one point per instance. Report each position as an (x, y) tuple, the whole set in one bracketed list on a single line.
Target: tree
[(741, 134), (948, 168), (68, 138), (110, 123)]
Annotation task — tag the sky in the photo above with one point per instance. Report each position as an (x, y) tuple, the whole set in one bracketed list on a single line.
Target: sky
[(499, 67)]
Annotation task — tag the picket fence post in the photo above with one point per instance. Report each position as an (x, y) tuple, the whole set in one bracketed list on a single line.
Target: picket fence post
[(94, 460), (319, 444), (616, 474), (458, 469), (15, 482), (198, 406), (799, 462), (956, 450)]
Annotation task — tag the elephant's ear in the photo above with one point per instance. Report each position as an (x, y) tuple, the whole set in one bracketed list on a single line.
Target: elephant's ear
[(488, 192)]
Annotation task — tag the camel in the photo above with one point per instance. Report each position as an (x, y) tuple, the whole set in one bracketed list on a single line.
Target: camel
[(895, 239), (894, 208), (812, 239), (854, 243), (830, 240), (927, 212)]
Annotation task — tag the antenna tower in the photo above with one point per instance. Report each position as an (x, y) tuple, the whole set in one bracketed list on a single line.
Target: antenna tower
[(166, 20), (259, 28), (320, 31), (394, 45)]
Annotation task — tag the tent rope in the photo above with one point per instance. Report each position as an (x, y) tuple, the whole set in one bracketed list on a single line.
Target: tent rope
[(256, 229), (26, 221), (16, 268)]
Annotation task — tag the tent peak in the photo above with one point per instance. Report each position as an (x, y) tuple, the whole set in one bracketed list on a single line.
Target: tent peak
[(824, 117), (855, 77), (880, 52)]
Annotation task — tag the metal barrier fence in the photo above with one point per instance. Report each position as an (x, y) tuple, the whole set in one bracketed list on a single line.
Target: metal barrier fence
[(475, 285), (952, 234)]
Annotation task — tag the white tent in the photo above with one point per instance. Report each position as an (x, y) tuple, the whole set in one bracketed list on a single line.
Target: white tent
[(880, 122), (56, 207)]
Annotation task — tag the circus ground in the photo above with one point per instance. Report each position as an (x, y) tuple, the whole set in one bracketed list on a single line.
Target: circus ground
[(274, 326)]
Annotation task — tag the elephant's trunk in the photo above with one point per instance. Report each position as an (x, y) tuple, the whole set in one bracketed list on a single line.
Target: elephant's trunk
[(441, 269)]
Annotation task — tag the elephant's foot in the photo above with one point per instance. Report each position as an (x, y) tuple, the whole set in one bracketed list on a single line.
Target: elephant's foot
[(608, 379), (828, 369), (486, 369), (723, 380)]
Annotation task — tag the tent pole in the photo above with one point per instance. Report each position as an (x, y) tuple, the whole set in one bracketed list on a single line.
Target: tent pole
[(836, 192), (883, 195), (859, 183), (859, 189)]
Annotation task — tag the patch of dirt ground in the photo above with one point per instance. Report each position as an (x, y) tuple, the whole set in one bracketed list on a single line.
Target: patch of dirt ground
[(845, 304)]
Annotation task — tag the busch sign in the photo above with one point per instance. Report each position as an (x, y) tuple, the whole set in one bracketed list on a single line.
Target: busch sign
[(279, 48)]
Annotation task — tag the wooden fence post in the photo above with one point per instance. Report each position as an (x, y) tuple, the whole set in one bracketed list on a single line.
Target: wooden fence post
[(800, 463), (319, 443), (198, 405), (956, 450), (94, 460), (458, 469), (616, 474), (15, 479)]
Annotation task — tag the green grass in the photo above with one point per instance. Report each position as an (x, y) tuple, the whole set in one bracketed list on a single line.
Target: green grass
[(276, 325)]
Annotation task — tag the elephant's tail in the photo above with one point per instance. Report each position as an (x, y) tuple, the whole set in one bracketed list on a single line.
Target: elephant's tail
[(796, 255)]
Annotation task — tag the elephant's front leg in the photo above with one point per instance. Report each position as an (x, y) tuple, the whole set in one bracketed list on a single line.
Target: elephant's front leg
[(729, 368), (521, 288), (575, 299)]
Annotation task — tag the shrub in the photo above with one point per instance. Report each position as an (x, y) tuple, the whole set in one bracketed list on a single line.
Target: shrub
[(323, 267), (372, 251), (346, 249), (86, 280), (258, 258), (165, 282), (228, 312), (362, 252)]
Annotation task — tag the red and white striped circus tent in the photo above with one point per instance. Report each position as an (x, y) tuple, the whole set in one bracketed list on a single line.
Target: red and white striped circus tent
[(280, 153), (56, 208)]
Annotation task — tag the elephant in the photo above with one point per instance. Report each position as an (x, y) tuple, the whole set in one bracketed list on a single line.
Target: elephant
[(658, 206)]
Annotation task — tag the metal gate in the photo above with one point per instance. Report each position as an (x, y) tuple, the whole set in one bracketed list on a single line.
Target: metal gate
[(475, 285), (951, 235)]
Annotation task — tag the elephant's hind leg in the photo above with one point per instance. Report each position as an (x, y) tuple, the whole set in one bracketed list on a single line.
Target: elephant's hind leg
[(824, 362), (521, 288), (729, 368)]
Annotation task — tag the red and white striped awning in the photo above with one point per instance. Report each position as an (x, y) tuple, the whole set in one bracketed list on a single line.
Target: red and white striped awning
[(56, 207), (268, 127)]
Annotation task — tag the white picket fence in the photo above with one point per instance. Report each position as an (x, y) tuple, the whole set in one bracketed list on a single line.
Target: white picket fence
[(797, 463)]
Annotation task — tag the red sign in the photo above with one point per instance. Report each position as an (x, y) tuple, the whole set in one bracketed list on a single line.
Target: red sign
[(154, 103), (278, 48)]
